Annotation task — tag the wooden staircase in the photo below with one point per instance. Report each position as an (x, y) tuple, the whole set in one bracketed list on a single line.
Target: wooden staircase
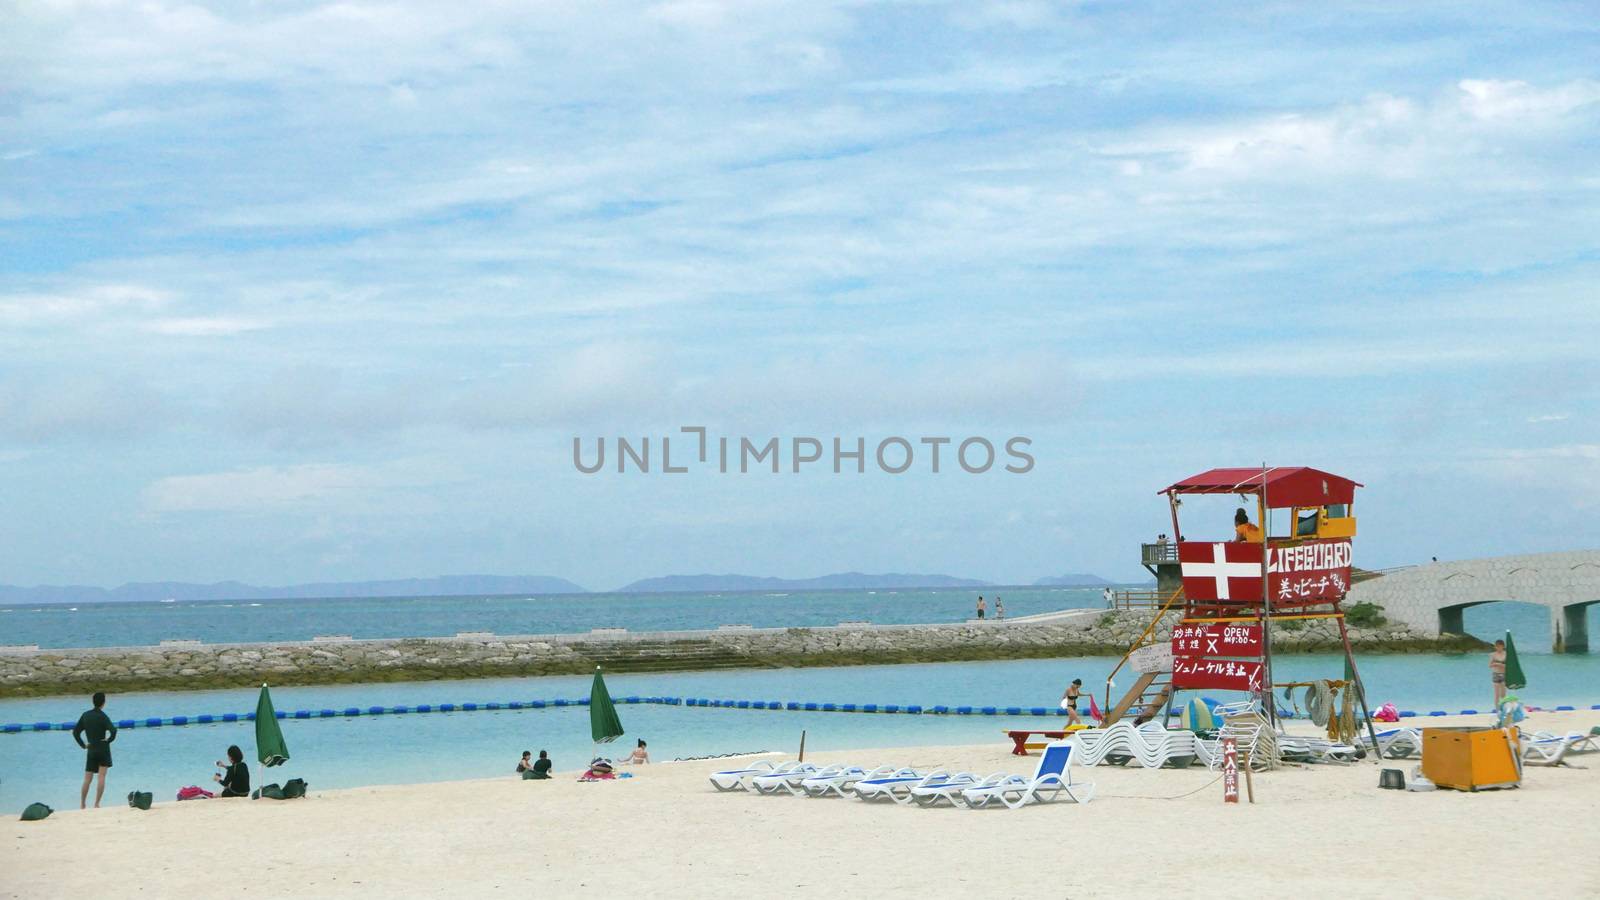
[(1149, 685)]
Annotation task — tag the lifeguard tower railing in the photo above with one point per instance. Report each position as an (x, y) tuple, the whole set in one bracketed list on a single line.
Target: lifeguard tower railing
[(1139, 599)]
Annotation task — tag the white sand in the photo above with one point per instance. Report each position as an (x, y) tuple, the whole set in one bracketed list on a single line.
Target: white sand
[(1323, 831)]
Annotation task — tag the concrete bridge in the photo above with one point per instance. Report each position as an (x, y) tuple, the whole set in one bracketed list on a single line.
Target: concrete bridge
[(1432, 597)]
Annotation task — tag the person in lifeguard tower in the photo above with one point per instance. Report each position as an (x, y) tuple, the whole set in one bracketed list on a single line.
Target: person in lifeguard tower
[(1243, 530)]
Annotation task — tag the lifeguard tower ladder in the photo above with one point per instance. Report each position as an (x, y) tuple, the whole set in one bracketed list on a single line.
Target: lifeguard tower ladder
[(1252, 578)]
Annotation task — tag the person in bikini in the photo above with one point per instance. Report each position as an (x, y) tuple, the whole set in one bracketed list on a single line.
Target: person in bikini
[(1069, 702)]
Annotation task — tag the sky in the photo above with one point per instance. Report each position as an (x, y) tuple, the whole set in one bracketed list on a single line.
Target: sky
[(324, 291)]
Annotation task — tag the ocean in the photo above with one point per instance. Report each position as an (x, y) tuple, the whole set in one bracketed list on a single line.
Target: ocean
[(237, 621)]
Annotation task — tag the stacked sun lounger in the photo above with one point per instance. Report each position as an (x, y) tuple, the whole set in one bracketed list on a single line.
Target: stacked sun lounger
[(1397, 743), (1152, 746), (1541, 748)]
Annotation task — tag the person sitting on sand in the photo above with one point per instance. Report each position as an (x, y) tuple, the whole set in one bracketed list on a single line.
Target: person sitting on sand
[(1155, 707), (639, 756), (1243, 529), (541, 767), (235, 777), (526, 763)]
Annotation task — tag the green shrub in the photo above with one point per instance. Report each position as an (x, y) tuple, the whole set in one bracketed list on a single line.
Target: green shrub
[(1365, 614), (1293, 625)]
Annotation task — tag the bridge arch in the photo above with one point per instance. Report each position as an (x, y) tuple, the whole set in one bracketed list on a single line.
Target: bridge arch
[(1434, 596)]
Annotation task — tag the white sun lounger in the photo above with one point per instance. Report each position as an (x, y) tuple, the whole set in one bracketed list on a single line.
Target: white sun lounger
[(841, 780), (1153, 746), (1551, 751), (1314, 749), (1397, 743), (894, 787), (739, 779), (1050, 780), (788, 781), (942, 786), (1581, 743)]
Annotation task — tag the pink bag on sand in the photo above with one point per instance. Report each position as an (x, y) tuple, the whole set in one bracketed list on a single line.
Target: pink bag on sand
[(193, 792), (1387, 713)]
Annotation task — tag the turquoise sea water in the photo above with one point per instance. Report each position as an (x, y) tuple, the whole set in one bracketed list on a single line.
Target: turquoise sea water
[(341, 752)]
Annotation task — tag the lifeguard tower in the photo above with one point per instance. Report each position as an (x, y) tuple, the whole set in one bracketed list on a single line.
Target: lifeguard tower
[(1290, 561)]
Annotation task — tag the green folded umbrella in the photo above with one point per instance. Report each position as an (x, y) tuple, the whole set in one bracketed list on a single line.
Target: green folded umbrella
[(270, 748), (604, 726), (1515, 680)]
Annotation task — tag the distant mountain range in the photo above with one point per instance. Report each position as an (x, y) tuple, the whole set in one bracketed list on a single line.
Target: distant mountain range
[(1074, 579), (443, 586), (488, 585), (841, 581)]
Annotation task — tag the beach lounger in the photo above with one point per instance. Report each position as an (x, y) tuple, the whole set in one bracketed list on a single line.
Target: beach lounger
[(788, 780), (1050, 780), (891, 787), (1550, 751), (1153, 745), (739, 779), (1397, 743), (841, 781), (1317, 750), (943, 786), (1581, 743)]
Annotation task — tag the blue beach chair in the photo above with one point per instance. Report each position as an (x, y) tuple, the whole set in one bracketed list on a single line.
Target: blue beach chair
[(1050, 780)]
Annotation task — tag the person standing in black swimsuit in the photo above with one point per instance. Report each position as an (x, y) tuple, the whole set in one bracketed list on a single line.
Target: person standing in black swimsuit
[(101, 731)]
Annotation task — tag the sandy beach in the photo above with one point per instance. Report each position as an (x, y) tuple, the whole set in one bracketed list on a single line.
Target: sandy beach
[(1322, 831)]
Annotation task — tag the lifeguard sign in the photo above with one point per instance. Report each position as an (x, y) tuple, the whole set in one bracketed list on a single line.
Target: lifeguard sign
[(1310, 566)]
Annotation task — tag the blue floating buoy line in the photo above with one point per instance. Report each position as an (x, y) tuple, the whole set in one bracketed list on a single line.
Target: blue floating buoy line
[(911, 709)]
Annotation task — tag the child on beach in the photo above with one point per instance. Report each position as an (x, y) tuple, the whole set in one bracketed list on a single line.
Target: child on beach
[(101, 731), (1497, 671)]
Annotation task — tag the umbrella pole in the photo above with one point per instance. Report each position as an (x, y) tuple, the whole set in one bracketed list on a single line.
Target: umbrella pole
[(1271, 702)]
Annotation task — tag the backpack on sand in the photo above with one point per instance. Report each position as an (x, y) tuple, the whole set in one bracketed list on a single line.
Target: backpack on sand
[(35, 812), (140, 799)]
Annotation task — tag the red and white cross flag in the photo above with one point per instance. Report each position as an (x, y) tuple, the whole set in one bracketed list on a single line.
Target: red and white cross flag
[(1221, 571)]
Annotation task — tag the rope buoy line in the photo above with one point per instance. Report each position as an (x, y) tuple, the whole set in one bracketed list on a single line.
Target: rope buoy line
[(777, 705)]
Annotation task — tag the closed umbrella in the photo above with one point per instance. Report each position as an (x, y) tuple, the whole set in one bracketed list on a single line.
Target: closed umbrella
[(1515, 680), (604, 726), (270, 748)]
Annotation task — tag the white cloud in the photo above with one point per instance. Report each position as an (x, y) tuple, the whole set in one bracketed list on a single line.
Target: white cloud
[(1521, 103), (36, 310), (305, 487)]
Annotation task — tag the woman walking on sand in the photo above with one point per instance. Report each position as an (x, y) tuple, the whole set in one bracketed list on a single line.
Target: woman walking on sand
[(1069, 702)]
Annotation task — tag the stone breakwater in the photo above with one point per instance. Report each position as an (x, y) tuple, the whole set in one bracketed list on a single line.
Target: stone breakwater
[(190, 665)]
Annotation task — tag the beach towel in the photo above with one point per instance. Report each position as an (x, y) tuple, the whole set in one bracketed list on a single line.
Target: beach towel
[(140, 799), (35, 812), (534, 775), (1094, 710), (194, 792), (592, 775)]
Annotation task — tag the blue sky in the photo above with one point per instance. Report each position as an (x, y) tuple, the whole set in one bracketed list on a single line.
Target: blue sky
[(310, 291)]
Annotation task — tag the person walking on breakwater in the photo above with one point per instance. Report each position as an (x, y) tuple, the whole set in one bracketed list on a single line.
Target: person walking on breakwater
[(1069, 702), (1497, 671), (981, 607), (999, 607), (101, 731)]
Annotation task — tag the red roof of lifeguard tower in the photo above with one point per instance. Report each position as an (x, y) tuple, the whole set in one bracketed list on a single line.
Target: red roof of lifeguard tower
[(1286, 485)]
